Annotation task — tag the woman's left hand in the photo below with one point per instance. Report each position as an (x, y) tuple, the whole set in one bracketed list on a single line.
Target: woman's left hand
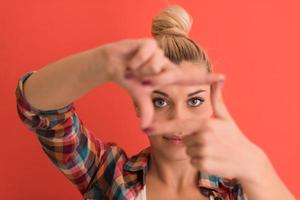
[(220, 147), (217, 146)]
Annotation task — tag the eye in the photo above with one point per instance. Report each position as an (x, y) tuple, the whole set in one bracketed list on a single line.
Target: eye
[(159, 102), (196, 101)]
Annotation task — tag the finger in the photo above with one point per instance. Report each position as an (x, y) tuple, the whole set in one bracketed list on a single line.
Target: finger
[(129, 47), (194, 151), (192, 139), (154, 65), (147, 111), (219, 107), (204, 164), (196, 161), (173, 126), (143, 99), (173, 75), (144, 52)]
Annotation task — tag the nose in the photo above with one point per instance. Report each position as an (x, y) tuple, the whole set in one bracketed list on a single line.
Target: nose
[(179, 112)]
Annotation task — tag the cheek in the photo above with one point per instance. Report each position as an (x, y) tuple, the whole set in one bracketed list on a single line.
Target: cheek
[(160, 115), (204, 111)]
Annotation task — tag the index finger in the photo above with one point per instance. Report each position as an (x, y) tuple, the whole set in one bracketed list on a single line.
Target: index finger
[(142, 96), (174, 75), (178, 127)]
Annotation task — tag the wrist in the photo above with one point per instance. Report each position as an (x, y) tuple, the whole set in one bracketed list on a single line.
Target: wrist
[(258, 167), (264, 178), (100, 65)]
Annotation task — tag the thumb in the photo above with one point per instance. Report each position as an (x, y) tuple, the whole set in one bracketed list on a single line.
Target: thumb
[(147, 111), (144, 102), (219, 107)]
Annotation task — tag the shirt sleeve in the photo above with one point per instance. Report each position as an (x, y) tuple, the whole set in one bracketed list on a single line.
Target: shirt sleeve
[(64, 138), (237, 193)]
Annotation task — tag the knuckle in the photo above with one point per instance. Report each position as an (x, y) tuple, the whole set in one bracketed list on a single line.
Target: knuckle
[(150, 64), (140, 57), (155, 68), (149, 69)]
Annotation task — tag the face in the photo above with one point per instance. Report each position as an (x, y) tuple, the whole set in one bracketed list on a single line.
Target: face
[(179, 102)]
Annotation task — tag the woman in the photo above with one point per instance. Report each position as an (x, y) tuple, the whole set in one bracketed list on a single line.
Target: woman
[(180, 104)]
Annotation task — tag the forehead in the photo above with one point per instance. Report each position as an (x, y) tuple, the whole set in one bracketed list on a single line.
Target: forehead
[(178, 90)]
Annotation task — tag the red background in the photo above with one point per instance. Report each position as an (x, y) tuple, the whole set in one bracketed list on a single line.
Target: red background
[(255, 43)]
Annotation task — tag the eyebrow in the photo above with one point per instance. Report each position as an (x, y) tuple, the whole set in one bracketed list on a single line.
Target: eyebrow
[(196, 92), (166, 95)]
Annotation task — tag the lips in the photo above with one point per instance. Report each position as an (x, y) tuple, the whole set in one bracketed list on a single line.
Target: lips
[(173, 139)]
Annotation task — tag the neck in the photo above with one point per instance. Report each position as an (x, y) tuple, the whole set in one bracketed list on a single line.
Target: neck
[(176, 174)]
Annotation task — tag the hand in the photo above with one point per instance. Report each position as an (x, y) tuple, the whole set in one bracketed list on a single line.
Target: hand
[(128, 61), (217, 146), (140, 66)]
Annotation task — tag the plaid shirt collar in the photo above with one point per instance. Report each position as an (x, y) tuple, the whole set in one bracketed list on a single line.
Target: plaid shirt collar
[(140, 161)]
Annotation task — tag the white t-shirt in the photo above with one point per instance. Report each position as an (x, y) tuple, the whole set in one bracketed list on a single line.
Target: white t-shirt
[(142, 194)]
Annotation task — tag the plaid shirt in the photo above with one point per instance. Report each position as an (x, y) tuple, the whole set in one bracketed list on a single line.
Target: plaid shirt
[(98, 169)]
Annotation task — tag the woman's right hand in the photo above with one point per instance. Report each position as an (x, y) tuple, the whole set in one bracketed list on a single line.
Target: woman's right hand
[(140, 66), (132, 59)]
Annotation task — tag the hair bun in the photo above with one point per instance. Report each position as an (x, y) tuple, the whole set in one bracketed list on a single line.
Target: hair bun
[(173, 21)]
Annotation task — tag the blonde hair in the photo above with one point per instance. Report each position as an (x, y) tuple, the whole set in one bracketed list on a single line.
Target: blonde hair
[(170, 28)]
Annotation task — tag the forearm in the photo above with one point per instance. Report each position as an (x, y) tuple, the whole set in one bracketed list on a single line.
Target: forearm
[(71, 147), (265, 185), (60, 83)]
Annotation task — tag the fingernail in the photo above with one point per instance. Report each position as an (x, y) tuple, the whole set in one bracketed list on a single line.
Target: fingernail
[(148, 130), (146, 82)]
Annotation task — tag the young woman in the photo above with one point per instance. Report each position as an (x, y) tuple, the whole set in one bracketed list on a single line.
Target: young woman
[(197, 151)]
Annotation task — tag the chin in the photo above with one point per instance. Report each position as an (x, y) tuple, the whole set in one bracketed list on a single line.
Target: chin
[(172, 156)]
